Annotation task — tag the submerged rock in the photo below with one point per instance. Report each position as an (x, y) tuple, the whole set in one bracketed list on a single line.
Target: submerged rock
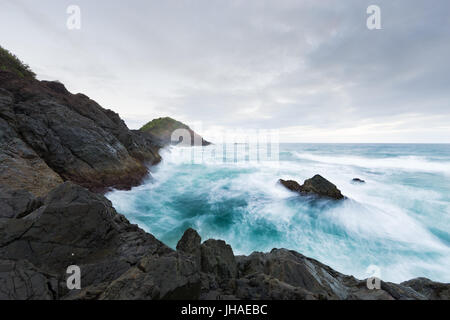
[(317, 185)]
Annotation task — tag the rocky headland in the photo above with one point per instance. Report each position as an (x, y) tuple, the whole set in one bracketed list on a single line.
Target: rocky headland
[(162, 129), (58, 152)]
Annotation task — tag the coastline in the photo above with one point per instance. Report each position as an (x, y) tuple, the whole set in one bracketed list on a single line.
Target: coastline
[(56, 146)]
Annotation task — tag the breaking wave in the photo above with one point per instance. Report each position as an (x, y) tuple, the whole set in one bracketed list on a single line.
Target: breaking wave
[(399, 220)]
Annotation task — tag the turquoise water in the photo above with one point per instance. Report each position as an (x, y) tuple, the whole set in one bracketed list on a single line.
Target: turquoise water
[(399, 220)]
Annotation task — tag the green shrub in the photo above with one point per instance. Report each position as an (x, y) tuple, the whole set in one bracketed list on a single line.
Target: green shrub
[(161, 125), (9, 62)]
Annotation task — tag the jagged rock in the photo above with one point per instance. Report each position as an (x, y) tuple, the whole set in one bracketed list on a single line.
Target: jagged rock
[(293, 275), (20, 166), (260, 286), (322, 187), (297, 271), (75, 226), (430, 289), (217, 258), (291, 185), (317, 185), (190, 242), (20, 280), (17, 203), (171, 276), (400, 292), (48, 134)]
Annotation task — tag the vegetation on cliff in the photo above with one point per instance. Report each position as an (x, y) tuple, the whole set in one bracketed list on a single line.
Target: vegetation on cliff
[(161, 125), (163, 128), (10, 62)]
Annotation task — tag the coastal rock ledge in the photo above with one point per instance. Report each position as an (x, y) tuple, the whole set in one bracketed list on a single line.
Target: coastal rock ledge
[(118, 260)]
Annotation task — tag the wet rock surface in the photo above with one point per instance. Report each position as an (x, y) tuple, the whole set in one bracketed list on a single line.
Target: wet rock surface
[(317, 185), (48, 135)]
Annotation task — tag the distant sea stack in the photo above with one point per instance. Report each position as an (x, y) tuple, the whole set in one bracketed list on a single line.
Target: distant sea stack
[(163, 128)]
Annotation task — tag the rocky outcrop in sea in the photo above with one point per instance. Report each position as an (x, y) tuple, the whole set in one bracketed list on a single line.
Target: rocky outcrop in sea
[(317, 186)]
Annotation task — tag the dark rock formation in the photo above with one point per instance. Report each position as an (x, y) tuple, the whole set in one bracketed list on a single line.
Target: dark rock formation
[(163, 128), (430, 289), (17, 203), (170, 276), (20, 280), (120, 261), (75, 226), (218, 259), (190, 242), (48, 135), (291, 185), (317, 185), (358, 180)]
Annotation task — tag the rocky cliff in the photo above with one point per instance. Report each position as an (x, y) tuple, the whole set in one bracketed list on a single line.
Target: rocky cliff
[(48, 135), (55, 149)]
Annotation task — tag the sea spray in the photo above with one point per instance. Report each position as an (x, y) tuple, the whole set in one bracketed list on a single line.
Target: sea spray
[(399, 220)]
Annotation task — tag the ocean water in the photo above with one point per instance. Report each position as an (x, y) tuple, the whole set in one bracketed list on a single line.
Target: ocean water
[(398, 221)]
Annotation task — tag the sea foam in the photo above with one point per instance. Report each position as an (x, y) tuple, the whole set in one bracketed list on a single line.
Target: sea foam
[(399, 220)]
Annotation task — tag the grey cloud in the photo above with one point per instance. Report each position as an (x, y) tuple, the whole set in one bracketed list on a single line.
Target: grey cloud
[(250, 64)]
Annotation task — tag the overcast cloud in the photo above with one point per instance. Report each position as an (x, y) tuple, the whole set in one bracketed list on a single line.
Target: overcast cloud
[(311, 69)]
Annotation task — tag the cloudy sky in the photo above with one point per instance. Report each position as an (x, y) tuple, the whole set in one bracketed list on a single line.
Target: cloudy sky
[(310, 69)]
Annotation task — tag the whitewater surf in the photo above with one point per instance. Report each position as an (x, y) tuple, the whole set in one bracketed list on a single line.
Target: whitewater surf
[(396, 223)]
